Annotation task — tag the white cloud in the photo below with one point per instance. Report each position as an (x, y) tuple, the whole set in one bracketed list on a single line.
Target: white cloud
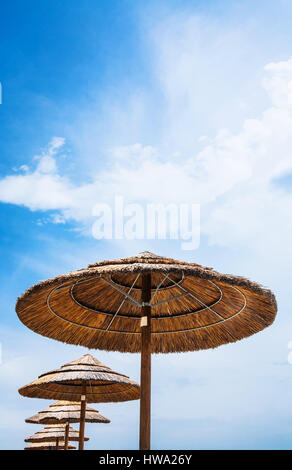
[(47, 164), (36, 190), (231, 175), (278, 83)]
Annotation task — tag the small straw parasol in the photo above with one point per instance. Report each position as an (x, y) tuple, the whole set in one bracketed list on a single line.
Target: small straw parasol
[(149, 304), (49, 446), (66, 412), (87, 380), (55, 433)]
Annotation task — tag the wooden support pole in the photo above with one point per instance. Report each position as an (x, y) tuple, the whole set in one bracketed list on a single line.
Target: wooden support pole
[(82, 418), (57, 443), (145, 381), (66, 436)]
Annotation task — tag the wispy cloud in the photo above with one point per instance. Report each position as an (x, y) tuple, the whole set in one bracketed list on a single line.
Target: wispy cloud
[(231, 176), (210, 123)]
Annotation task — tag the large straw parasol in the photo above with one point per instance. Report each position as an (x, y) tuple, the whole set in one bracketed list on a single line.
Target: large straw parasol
[(147, 303), (85, 379), (55, 433), (66, 412), (49, 446)]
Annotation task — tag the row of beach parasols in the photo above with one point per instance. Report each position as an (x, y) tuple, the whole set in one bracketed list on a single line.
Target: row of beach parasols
[(58, 417), (142, 304), (85, 380), (55, 437)]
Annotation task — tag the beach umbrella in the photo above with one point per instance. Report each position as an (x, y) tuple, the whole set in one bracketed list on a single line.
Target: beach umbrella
[(87, 380), (149, 304), (49, 446), (55, 433), (66, 412)]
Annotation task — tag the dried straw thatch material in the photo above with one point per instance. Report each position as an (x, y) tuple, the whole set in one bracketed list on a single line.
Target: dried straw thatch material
[(193, 306), (53, 432), (48, 446), (66, 412), (67, 383)]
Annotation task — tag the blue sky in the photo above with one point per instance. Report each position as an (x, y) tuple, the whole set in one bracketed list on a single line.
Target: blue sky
[(175, 101)]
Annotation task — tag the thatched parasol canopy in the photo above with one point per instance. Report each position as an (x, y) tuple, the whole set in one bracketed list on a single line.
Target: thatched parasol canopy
[(147, 303), (66, 383), (192, 306), (48, 446), (53, 432), (87, 380), (66, 412)]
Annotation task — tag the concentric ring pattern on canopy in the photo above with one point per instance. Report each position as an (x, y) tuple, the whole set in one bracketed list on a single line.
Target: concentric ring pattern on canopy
[(66, 412), (67, 383), (193, 307), (53, 432), (48, 446)]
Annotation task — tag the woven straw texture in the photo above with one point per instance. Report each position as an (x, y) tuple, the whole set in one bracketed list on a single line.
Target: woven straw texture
[(102, 383), (52, 432), (48, 446), (66, 412), (193, 306)]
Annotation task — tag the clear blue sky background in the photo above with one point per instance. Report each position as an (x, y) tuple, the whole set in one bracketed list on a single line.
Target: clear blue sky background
[(198, 94)]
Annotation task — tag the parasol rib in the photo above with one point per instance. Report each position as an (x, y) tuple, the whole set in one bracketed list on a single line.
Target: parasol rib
[(122, 303)]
